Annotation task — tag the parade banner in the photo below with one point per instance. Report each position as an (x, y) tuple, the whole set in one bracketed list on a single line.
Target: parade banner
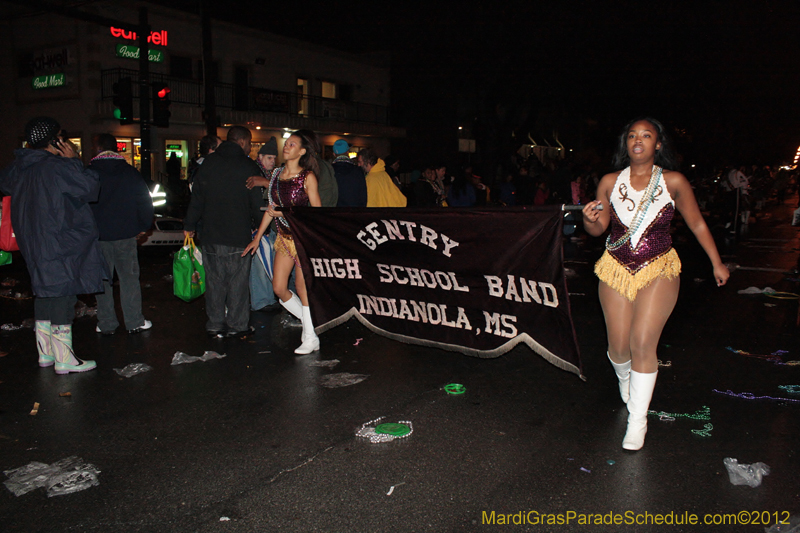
[(476, 281)]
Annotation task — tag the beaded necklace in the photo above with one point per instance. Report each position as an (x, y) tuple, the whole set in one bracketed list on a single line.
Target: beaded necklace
[(641, 211), (275, 175), (108, 154)]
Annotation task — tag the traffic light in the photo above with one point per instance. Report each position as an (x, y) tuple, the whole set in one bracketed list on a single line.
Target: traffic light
[(123, 100), (161, 102)]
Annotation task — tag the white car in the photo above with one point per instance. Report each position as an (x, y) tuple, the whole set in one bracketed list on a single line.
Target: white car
[(166, 231)]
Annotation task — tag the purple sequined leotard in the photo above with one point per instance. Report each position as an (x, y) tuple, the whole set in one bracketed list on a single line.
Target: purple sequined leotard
[(648, 254), (652, 238), (287, 193)]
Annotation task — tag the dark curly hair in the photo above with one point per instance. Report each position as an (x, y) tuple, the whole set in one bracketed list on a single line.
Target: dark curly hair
[(665, 156), (309, 141)]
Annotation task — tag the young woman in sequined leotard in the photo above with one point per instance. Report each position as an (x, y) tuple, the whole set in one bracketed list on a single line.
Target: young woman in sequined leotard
[(639, 271), (294, 184)]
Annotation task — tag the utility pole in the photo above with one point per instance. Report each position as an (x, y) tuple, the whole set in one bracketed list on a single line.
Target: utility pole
[(144, 96), (210, 113)]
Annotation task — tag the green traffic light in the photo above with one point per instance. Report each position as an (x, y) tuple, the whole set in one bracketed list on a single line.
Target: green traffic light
[(117, 114)]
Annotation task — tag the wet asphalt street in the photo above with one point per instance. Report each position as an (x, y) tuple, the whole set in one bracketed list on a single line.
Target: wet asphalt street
[(253, 442)]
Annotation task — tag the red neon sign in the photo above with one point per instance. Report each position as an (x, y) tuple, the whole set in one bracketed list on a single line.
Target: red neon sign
[(156, 37)]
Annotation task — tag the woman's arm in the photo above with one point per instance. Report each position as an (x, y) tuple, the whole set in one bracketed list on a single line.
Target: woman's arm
[(262, 228), (312, 189), (596, 221), (683, 195)]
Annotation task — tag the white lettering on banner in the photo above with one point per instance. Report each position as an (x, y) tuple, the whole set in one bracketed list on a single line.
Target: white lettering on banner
[(496, 319), (419, 277), (371, 236), (549, 295), (335, 268), (427, 313)]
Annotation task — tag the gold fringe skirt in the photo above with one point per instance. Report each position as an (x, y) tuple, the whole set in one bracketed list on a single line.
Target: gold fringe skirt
[(619, 278), (285, 245)]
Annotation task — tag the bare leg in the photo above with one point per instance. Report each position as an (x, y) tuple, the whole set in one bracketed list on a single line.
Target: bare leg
[(281, 270)]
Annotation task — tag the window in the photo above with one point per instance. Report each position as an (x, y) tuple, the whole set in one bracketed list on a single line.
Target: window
[(328, 89), (303, 92)]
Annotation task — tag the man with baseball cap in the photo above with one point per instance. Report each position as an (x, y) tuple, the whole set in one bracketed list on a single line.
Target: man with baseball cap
[(350, 178), (57, 235)]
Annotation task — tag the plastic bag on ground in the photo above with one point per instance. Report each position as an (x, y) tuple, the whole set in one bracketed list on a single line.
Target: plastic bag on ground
[(756, 290), (182, 358), (745, 474), (793, 526), (133, 369), (66, 476), (343, 379)]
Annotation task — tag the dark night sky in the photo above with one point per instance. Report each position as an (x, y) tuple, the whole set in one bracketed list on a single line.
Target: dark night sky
[(725, 74)]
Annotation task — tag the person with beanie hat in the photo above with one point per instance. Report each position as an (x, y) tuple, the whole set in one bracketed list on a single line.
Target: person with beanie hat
[(57, 235), (349, 177)]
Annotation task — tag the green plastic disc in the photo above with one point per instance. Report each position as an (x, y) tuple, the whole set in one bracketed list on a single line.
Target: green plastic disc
[(455, 388), (398, 430)]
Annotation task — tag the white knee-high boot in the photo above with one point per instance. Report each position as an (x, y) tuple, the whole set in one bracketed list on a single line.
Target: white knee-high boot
[(44, 343), (623, 371), (642, 386), (310, 339), (293, 305), (66, 361)]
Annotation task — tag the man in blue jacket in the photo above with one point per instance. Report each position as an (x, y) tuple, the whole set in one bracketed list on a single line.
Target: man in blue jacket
[(57, 236), (123, 212)]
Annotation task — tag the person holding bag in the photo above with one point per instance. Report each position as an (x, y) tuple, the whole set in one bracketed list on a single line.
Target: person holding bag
[(57, 235)]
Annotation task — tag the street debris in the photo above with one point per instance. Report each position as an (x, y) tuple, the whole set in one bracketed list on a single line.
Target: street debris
[(133, 369), (342, 379), (181, 358), (35, 410), (741, 474), (387, 432), (326, 364), (391, 489), (66, 476)]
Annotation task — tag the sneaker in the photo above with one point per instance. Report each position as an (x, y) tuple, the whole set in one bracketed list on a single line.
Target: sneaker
[(147, 325), (106, 333)]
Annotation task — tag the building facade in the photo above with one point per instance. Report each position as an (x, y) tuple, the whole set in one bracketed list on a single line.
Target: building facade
[(67, 68)]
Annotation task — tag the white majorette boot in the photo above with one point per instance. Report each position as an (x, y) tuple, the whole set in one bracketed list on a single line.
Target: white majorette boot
[(642, 386), (44, 344), (623, 371), (293, 305), (66, 361), (310, 339)]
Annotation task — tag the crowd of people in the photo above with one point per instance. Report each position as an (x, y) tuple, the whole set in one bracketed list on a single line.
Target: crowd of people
[(78, 225)]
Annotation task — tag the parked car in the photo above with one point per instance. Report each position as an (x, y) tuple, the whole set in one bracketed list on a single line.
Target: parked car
[(166, 231)]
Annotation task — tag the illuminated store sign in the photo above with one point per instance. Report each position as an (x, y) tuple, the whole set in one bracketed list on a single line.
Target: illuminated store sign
[(48, 81), (156, 37), (122, 147), (132, 52)]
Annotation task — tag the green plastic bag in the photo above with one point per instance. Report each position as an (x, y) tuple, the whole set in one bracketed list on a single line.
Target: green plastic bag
[(5, 258), (188, 274)]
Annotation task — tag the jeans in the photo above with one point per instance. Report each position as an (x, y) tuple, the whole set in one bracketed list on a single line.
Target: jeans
[(123, 257), (227, 277), (261, 293)]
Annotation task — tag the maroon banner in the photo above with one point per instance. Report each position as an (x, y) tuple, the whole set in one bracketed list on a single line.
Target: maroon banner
[(476, 281)]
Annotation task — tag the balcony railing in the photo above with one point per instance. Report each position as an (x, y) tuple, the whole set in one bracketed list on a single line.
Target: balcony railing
[(228, 95)]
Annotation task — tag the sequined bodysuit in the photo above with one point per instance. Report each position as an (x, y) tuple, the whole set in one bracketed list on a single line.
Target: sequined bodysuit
[(287, 193), (649, 253)]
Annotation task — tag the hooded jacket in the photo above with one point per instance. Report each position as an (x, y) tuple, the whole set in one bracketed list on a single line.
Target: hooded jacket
[(381, 190), (53, 223)]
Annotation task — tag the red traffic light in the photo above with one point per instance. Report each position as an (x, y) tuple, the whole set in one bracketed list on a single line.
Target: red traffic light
[(164, 92)]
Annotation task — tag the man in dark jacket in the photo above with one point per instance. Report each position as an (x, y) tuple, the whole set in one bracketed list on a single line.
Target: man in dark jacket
[(57, 236), (229, 211), (349, 176), (123, 212)]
